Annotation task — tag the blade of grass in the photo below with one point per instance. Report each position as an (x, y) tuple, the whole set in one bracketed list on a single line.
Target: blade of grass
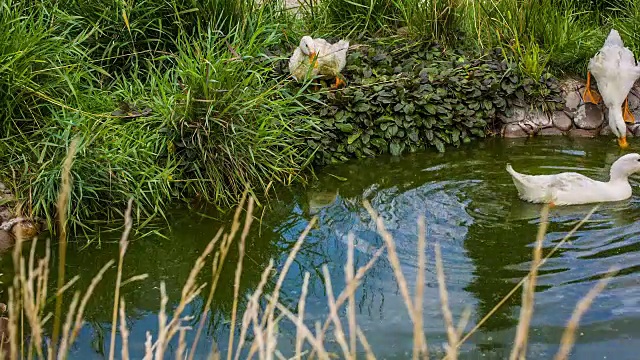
[(526, 312)]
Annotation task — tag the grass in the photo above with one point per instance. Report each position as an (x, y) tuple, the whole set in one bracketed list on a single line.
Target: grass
[(223, 119), (219, 120), (263, 312)]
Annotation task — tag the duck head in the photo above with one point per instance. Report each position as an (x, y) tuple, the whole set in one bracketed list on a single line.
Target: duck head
[(617, 125), (308, 47), (625, 165)]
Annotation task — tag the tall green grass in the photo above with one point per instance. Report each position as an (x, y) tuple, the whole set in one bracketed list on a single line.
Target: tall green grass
[(540, 32), (239, 125), (628, 24), (220, 120), (556, 35), (36, 55)]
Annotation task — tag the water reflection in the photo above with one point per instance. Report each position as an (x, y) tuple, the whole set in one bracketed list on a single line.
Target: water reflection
[(471, 210)]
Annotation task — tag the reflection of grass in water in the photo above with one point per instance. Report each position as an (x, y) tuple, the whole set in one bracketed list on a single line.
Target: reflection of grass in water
[(28, 296)]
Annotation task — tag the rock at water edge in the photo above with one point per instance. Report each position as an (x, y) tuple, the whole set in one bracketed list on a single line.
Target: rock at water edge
[(606, 130), (572, 93), (633, 129), (513, 131), (5, 214), (589, 117), (571, 101), (561, 120), (540, 119), (517, 114), (550, 132), (583, 133), (634, 100)]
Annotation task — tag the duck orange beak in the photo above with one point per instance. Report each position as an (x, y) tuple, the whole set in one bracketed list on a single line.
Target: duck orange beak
[(623, 142), (313, 59)]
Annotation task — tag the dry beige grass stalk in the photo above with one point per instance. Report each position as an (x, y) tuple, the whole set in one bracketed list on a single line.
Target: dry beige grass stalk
[(217, 265), (350, 288), (32, 283), (351, 305), (85, 299), (313, 340), (62, 206), (124, 243), (236, 282), (253, 307), (268, 318), (333, 314), (419, 340), (216, 270), (464, 320), (365, 344), (182, 343), (64, 343), (393, 259), (300, 322), (124, 332), (190, 291), (452, 335), (526, 311), (270, 311), (13, 327)]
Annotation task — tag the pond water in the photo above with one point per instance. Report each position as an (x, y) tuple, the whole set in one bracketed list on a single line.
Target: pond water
[(471, 209)]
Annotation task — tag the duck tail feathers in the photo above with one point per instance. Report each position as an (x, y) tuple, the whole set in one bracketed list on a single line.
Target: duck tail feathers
[(342, 45), (613, 39)]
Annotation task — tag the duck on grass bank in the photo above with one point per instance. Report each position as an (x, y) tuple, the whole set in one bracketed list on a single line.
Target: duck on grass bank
[(570, 188), (615, 69), (319, 57)]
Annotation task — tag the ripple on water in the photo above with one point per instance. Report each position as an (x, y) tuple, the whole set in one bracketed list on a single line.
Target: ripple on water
[(471, 209), (487, 235)]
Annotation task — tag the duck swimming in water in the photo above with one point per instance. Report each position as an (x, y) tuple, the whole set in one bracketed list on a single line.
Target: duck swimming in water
[(570, 188)]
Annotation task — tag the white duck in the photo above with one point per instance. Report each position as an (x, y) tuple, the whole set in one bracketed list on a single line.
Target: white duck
[(327, 59), (615, 70), (571, 188)]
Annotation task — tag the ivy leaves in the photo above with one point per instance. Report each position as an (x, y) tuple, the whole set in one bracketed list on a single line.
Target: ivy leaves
[(407, 98)]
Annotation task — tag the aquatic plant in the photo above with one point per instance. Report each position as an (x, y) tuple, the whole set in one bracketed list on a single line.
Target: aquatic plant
[(408, 97)]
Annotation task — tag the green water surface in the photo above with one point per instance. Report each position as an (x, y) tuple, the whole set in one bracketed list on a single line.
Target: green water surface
[(471, 208)]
